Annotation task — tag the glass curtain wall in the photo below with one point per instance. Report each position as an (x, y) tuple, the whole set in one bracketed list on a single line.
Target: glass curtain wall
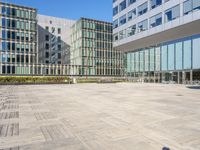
[(170, 57)]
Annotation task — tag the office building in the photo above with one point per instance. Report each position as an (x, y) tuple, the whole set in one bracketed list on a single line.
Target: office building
[(161, 39), (54, 40), (92, 48), (18, 39)]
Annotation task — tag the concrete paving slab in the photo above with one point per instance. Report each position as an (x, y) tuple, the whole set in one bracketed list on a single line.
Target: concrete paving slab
[(124, 116)]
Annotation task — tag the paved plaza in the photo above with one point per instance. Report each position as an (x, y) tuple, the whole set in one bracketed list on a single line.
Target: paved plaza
[(123, 116)]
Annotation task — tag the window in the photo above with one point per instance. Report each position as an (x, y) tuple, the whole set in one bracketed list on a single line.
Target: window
[(22, 14), (122, 5), (137, 62), (141, 56), (32, 26), (47, 54), (3, 22), (18, 13), (59, 30), (115, 24), (143, 26), (142, 9), (47, 38), (122, 20), (196, 53), (18, 36), (33, 15), (131, 14), (155, 3), (190, 5), (196, 4), (22, 25), (187, 54), (171, 57), (3, 60), (8, 24), (13, 23), (59, 47), (13, 35), (164, 58), (32, 37), (8, 34), (27, 26), (131, 2), (8, 46), (22, 36), (27, 37), (179, 55), (116, 37), (131, 30), (3, 10), (59, 55), (27, 14), (3, 34), (26, 58), (8, 11), (146, 57), (187, 7), (156, 20), (47, 28), (18, 47), (122, 34), (13, 12), (18, 24), (18, 58), (47, 46), (172, 13), (152, 59), (157, 58), (27, 47), (4, 47), (115, 10), (59, 39)]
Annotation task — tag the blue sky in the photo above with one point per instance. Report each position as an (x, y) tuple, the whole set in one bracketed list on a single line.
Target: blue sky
[(71, 9)]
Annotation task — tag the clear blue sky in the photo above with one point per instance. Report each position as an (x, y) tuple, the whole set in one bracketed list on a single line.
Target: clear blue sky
[(71, 9)]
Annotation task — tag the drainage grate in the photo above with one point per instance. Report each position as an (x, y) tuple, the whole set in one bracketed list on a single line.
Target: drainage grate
[(44, 115), (9, 129), (9, 115), (10, 106), (11, 148), (53, 132)]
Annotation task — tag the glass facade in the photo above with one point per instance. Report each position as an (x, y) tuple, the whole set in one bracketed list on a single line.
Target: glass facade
[(182, 54), (92, 48), (18, 39)]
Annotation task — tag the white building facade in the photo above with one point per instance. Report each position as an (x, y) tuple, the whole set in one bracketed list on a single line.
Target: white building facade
[(54, 40), (160, 38)]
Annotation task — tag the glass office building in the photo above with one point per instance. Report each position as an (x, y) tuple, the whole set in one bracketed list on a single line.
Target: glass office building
[(18, 35), (160, 39), (92, 48)]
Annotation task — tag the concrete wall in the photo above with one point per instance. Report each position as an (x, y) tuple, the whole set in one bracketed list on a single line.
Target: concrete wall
[(65, 26), (183, 26)]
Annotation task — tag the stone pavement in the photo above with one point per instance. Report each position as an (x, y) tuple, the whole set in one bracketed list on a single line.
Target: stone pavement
[(123, 116)]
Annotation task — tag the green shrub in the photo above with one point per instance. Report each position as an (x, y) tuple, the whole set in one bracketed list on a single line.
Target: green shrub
[(30, 79)]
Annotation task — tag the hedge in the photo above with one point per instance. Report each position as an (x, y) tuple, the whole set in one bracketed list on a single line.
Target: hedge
[(35, 79)]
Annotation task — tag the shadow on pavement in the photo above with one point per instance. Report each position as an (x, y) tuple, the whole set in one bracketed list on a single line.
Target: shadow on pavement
[(194, 87)]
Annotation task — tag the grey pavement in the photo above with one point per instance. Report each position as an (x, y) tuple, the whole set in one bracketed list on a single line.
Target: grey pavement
[(123, 116)]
